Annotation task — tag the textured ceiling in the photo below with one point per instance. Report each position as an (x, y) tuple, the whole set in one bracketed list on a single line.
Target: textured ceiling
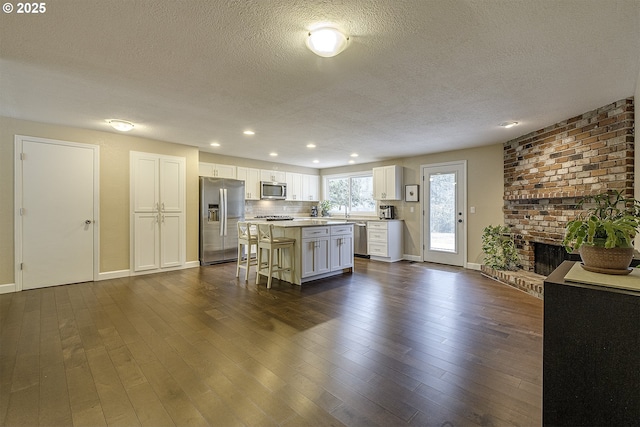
[(418, 76)]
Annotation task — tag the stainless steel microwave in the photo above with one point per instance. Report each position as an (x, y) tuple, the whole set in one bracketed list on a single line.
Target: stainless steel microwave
[(273, 190)]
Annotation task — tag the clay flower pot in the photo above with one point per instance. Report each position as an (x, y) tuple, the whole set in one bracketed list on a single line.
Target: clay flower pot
[(609, 261)]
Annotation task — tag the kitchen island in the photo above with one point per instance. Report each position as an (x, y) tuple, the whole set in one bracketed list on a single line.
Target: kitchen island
[(323, 248)]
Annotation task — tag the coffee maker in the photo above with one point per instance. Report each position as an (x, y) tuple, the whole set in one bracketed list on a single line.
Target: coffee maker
[(386, 212), (314, 211)]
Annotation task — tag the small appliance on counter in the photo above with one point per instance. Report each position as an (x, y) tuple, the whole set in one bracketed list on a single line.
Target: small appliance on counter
[(387, 212), (314, 211)]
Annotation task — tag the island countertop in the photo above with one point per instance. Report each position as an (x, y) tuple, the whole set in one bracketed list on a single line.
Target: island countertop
[(301, 222)]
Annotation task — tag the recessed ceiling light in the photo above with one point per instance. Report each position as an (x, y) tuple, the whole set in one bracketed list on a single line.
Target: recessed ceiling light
[(316, 161), (215, 144), (273, 154), (508, 125), (354, 155), (311, 145), (121, 125), (249, 132), (326, 42), (352, 162)]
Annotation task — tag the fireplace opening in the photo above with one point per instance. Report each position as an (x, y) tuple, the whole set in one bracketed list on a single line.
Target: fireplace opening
[(548, 257)]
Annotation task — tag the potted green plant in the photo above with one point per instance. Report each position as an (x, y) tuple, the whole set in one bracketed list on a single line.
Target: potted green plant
[(603, 233), (325, 206), (499, 248)]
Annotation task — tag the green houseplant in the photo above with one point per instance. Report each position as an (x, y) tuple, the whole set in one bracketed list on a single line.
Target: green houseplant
[(499, 248), (603, 233), (325, 206)]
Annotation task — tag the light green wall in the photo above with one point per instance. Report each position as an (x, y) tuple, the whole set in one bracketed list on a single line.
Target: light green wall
[(114, 188), (485, 188)]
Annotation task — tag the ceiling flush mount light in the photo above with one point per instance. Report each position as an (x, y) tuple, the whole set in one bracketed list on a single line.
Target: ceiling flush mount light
[(121, 125), (326, 42), (508, 125)]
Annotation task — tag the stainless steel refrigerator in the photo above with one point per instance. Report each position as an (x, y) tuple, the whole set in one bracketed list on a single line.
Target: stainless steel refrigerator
[(221, 207)]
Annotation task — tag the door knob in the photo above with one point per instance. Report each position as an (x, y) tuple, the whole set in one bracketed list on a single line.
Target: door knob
[(88, 222)]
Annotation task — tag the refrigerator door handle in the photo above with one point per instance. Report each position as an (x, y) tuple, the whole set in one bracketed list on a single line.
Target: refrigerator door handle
[(224, 214)]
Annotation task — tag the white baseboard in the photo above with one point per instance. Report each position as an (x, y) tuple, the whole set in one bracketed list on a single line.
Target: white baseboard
[(126, 273), (113, 274), (474, 266), (191, 264), (8, 288), (412, 257)]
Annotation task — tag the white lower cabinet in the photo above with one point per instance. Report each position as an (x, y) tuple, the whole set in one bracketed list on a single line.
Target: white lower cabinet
[(146, 241), (158, 240), (171, 239), (384, 240), (315, 251), (341, 247)]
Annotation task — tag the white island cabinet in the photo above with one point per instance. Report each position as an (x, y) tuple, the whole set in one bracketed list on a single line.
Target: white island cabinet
[(323, 248), (315, 251)]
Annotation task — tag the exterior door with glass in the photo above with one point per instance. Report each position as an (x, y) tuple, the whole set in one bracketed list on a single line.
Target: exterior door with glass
[(444, 222)]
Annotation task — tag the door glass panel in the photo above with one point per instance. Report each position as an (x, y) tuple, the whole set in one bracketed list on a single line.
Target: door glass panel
[(442, 212)]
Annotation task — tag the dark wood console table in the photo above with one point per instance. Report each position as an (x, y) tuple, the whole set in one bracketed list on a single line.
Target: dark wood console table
[(591, 358)]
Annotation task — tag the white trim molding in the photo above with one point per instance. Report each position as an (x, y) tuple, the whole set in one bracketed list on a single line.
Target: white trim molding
[(7, 288)]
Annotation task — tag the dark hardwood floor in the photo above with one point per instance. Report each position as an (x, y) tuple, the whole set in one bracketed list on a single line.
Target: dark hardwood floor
[(389, 345)]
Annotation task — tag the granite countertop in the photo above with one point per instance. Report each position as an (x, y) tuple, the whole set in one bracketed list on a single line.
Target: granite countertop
[(302, 222)]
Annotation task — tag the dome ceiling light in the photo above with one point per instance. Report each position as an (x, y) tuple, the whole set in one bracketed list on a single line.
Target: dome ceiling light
[(326, 42), (508, 125), (121, 125)]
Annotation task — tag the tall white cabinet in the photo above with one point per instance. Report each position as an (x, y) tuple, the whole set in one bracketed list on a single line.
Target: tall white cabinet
[(158, 229)]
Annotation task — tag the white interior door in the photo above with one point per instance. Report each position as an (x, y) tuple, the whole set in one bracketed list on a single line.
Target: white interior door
[(55, 187), (444, 227)]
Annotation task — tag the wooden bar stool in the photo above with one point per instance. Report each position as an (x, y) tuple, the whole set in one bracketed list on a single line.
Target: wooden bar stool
[(245, 241), (273, 246)]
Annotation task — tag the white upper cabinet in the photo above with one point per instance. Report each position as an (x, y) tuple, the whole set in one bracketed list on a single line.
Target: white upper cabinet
[(310, 188), (387, 183), (294, 186), (172, 184), (273, 176), (146, 183), (251, 178), (217, 171)]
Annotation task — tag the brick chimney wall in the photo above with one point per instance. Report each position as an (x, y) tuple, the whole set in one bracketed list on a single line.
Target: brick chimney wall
[(547, 171)]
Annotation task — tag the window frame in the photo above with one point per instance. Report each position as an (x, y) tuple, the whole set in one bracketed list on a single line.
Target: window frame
[(349, 175)]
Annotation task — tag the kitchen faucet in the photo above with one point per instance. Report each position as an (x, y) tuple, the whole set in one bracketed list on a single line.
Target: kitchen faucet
[(346, 213)]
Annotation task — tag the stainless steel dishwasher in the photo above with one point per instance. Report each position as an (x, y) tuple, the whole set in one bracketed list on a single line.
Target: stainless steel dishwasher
[(360, 239)]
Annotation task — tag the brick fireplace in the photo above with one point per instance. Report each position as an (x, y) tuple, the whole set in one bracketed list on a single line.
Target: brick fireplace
[(547, 171)]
